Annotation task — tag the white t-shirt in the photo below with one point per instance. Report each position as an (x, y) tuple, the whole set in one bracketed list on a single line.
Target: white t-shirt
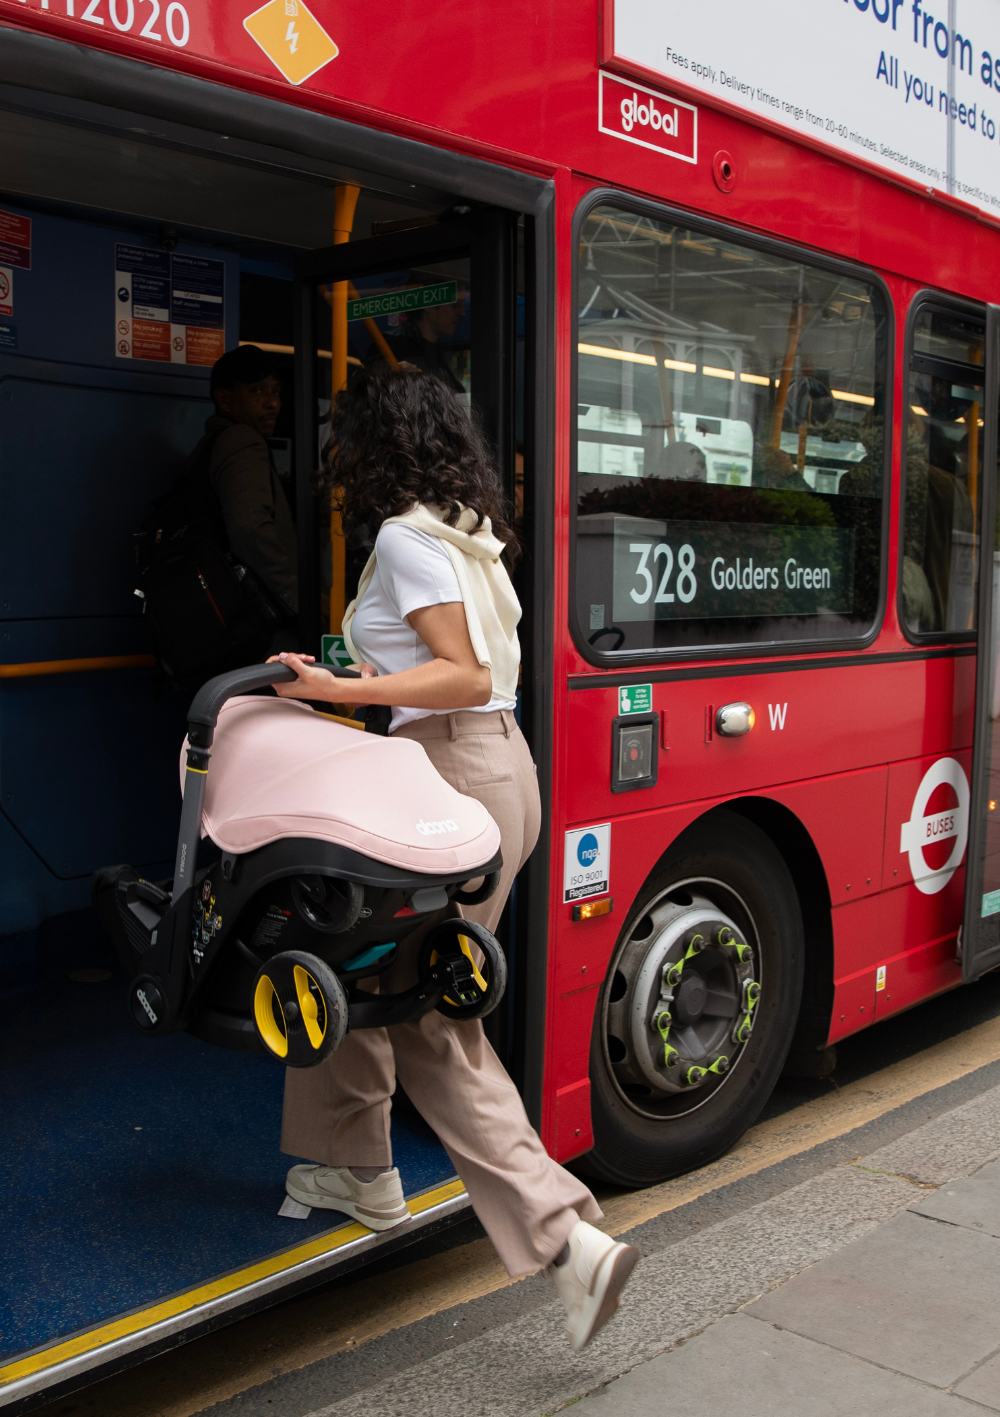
[(412, 570)]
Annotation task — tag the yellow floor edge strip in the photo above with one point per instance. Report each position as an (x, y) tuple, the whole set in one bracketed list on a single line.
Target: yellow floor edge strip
[(189, 1299)]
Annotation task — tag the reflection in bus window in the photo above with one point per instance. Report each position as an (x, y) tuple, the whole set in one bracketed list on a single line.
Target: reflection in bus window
[(943, 465), (729, 444)]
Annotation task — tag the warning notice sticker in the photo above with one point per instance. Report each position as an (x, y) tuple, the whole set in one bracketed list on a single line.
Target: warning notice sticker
[(6, 291), (15, 240), (169, 309), (292, 38)]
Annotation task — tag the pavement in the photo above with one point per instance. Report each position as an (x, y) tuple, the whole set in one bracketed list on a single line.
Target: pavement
[(904, 1321), (863, 1279)]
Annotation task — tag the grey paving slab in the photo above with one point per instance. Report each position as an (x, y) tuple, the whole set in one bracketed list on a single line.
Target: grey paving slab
[(983, 1385), (525, 1368), (954, 1144), (917, 1296), (973, 1203), (744, 1367)]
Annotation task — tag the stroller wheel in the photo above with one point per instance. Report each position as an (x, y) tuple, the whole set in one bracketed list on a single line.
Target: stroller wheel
[(328, 904), (299, 1008), (477, 985)]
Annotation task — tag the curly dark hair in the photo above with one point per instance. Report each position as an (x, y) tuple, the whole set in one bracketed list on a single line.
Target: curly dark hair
[(399, 436)]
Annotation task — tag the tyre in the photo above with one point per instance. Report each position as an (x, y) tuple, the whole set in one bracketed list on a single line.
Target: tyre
[(299, 1008), (699, 1007), (458, 941)]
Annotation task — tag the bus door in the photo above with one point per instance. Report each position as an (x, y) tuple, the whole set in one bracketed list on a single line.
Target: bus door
[(980, 938), (438, 295), (442, 296)]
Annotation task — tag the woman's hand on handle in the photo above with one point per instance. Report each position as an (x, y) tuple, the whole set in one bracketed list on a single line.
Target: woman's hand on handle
[(311, 682), (453, 679)]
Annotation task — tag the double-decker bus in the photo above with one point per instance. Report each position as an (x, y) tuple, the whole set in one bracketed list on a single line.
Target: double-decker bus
[(718, 288)]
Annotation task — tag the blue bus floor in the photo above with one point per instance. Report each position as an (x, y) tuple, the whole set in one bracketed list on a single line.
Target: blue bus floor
[(131, 1167)]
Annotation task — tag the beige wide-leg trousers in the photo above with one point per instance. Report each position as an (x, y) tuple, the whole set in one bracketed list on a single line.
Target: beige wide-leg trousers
[(337, 1113)]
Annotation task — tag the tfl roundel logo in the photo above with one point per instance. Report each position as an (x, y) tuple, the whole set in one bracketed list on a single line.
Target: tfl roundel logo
[(588, 848), (936, 835)]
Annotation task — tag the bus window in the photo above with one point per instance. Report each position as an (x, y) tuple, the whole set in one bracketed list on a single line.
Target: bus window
[(729, 441), (944, 451)]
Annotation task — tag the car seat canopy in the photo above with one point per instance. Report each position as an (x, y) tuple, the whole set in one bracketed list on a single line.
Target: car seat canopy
[(280, 770)]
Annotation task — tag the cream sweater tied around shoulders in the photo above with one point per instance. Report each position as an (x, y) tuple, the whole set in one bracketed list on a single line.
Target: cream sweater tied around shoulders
[(491, 607)]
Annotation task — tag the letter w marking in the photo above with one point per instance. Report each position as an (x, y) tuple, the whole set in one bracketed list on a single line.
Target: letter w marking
[(778, 714)]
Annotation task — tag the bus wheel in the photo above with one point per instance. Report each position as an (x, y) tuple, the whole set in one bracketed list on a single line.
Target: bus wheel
[(699, 1007)]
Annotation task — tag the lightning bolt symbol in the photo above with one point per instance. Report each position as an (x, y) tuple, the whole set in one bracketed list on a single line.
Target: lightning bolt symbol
[(292, 36)]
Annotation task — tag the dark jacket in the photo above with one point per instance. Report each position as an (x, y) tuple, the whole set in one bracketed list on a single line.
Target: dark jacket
[(258, 520)]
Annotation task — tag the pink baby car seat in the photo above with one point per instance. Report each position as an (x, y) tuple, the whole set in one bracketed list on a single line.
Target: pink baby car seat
[(309, 854)]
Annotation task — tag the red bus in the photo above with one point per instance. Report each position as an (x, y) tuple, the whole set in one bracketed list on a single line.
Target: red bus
[(723, 310)]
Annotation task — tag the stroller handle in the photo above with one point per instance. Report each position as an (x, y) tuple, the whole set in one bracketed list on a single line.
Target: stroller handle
[(207, 703)]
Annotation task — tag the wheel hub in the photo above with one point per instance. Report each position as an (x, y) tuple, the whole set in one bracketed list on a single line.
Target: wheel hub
[(689, 1004), (683, 999)]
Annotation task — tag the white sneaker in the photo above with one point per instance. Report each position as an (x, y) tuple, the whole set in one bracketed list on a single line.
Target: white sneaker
[(590, 1282), (379, 1204)]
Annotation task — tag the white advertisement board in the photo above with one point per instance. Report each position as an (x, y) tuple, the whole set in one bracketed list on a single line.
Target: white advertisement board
[(909, 85)]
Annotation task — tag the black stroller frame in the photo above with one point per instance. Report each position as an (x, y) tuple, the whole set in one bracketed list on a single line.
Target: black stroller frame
[(260, 949)]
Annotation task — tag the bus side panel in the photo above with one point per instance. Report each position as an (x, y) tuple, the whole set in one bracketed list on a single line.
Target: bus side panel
[(894, 935), (837, 719), (857, 938)]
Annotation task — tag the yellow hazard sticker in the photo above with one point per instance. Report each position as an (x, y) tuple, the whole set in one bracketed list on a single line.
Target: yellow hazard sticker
[(292, 38), (880, 974)]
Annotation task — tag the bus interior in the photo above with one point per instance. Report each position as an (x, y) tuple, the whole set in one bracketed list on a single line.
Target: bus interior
[(144, 1175)]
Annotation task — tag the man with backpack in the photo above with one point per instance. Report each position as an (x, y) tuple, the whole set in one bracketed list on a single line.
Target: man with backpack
[(217, 561), (237, 461)]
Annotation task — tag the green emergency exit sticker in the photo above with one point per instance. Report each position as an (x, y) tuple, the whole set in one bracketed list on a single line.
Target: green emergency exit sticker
[(398, 302), (636, 698), (334, 651), (991, 903)]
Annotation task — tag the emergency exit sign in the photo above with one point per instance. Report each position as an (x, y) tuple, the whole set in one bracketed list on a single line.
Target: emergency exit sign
[(335, 652), (635, 698), (401, 302)]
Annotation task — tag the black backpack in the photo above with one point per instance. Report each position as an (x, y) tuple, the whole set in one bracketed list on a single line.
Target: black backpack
[(206, 613)]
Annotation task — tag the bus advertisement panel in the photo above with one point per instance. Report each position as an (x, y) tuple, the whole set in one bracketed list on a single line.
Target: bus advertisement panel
[(912, 86)]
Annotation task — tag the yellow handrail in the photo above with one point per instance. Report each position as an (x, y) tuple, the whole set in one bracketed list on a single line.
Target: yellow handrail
[(42, 667)]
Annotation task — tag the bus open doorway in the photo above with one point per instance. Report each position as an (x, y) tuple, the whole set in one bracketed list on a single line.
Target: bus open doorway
[(149, 1172)]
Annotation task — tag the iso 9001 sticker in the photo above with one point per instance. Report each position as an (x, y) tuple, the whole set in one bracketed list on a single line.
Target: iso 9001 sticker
[(587, 862)]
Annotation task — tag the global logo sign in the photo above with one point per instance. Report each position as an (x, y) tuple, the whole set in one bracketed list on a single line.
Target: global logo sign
[(588, 848), (937, 833), (652, 120)]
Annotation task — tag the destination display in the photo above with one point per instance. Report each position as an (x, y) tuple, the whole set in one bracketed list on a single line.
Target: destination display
[(910, 85), (700, 570)]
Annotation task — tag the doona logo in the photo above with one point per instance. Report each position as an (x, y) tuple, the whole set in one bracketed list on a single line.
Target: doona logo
[(437, 828), (924, 837), (588, 848)]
